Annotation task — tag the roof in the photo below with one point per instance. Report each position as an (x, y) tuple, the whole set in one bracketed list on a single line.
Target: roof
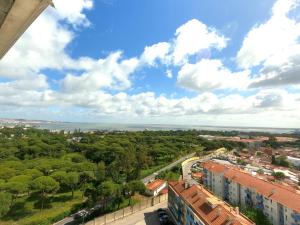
[(15, 17), (207, 207), (155, 184), (214, 167), (197, 175), (275, 191)]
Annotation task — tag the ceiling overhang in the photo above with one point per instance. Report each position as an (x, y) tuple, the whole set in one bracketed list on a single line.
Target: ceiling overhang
[(15, 17)]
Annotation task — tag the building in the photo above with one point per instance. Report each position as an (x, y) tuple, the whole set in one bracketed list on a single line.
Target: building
[(293, 160), (281, 204), (15, 17), (155, 187), (193, 205)]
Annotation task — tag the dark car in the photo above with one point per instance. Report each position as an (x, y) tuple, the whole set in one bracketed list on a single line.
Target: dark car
[(163, 216), (81, 214)]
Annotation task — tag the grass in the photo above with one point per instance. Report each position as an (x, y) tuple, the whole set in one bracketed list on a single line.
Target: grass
[(151, 170), (26, 210)]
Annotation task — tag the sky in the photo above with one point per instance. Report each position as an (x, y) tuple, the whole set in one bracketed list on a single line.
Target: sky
[(197, 62)]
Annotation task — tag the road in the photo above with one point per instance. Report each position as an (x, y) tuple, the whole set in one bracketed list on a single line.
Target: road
[(170, 166), (186, 169), (66, 221), (145, 217)]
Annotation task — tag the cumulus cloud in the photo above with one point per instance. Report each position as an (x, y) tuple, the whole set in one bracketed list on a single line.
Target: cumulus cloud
[(274, 46), (194, 37), (97, 85), (155, 52), (72, 11), (111, 72), (270, 38), (211, 74), (148, 104)]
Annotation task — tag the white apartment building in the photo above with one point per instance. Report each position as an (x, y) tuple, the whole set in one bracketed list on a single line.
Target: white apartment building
[(279, 203)]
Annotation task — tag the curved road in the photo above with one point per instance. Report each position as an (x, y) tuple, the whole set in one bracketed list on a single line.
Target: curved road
[(186, 169), (170, 166)]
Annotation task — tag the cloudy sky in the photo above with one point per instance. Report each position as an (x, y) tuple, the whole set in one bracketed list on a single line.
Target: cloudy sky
[(200, 62)]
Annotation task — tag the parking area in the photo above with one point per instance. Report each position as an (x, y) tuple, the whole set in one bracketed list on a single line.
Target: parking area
[(145, 217)]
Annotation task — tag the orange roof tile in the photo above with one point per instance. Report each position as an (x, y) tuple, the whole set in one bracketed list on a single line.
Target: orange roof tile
[(274, 191), (214, 167), (207, 207), (155, 184), (197, 175)]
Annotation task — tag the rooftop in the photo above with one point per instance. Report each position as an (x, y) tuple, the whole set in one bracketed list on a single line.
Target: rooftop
[(275, 191), (155, 184), (207, 207)]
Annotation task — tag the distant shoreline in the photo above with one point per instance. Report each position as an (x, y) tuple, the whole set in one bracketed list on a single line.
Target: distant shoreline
[(71, 126)]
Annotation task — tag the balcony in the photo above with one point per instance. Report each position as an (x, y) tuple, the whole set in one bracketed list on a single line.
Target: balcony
[(296, 217)]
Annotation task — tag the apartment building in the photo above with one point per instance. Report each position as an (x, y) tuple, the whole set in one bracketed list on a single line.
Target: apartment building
[(194, 205), (281, 204)]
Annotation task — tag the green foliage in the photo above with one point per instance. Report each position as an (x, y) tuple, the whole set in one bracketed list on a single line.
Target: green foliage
[(280, 161), (5, 200), (171, 175), (45, 185), (104, 166), (278, 175), (256, 216)]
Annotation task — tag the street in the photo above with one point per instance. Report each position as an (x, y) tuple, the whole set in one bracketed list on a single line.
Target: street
[(147, 216), (186, 169), (170, 166)]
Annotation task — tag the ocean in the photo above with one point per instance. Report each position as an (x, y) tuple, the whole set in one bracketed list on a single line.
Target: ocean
[(69, 126)]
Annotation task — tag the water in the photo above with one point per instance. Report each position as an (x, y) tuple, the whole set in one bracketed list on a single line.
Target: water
[(154, 127)]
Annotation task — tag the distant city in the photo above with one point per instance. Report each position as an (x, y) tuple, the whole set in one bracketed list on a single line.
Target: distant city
[(71, 126)]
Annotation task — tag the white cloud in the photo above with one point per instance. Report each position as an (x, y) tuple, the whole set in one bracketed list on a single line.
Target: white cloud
[(42, 46), (268, 42), (210, 74), (271, 38), (194, 37), (155, 52), (111, 72), (71, 10), (88, 82), (169, 73)]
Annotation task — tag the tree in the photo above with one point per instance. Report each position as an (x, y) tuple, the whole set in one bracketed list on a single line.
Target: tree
[(132, 187), (34, 173), (5, 200), (71, 181), (6, 173), (256, 216), (44, 185), (60, 177), (108, 190), (84, 178), (100, 172), (15, 188), (278, 175)]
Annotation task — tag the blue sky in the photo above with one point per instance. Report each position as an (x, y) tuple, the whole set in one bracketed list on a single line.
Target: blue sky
[(234, 63)]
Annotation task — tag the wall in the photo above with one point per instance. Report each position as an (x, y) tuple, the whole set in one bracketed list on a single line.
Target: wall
[(120, 214)]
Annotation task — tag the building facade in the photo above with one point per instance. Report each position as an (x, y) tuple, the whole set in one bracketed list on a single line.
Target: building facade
[(154, 188), (279, 203), (193, 205)]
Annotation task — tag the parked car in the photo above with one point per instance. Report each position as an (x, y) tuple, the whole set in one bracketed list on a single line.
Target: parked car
[(81, 214), (163, 217)]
